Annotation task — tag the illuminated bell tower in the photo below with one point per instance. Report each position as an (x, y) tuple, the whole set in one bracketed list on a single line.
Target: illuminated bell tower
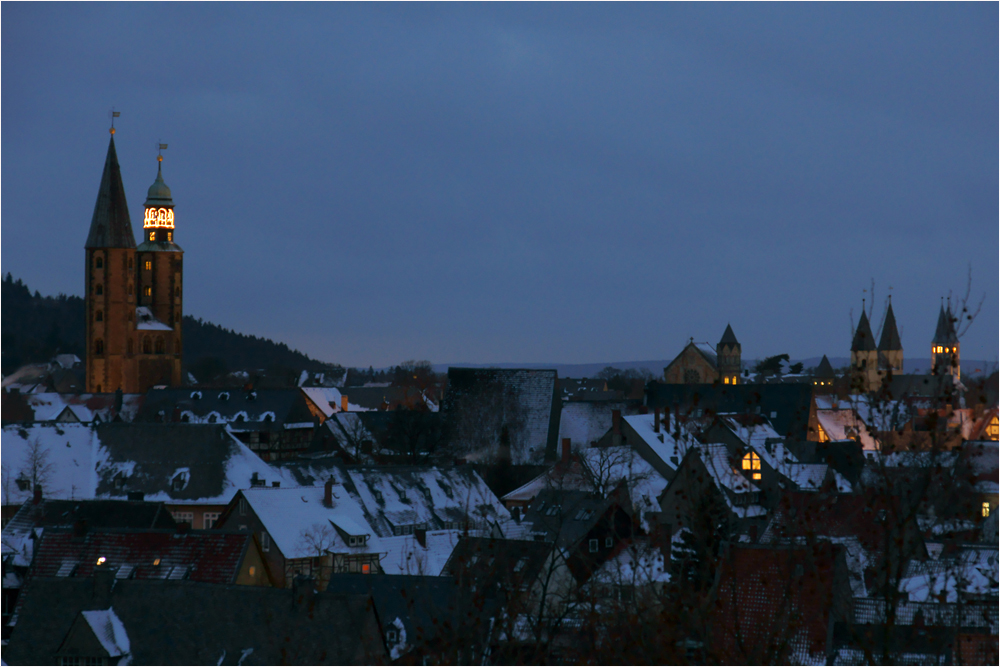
[(158, 341), (944, 345), (729, 353)]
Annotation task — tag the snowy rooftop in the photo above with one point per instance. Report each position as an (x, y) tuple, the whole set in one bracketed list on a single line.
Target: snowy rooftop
[(405, 555), (144, 320)]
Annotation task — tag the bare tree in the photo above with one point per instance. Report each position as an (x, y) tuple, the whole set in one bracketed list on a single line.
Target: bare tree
[(37, 468)]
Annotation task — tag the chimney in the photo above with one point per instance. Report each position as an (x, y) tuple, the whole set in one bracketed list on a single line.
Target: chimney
[(37, 497), (328, 493), (104, 580), (275, 484), (616, 422), (566, 449), (136, 496), (421, 535), (343, 402), (656, 420)]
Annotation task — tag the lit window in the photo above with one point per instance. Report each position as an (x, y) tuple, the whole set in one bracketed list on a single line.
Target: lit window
[(821, 434), (725, 380), (152, 236), (993, 428), (366, 568), (148, 291), (751, 462), (170, 237), (149, 265), (986, 509), (253, 570)]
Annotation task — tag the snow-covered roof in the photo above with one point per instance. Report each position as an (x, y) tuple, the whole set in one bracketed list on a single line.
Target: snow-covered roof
[(300, 524), (585, 422), (405, 555), (326, 399), (638, 564), (145, 320), (667, 448), (844, 424), (718, 462), (609, 466), (65, 455), (109, 630)]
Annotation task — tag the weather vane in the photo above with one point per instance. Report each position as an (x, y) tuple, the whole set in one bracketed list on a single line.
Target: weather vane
[(114, 114), (160, 147)]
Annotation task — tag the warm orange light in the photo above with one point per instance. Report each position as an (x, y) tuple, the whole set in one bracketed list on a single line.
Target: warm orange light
[(159, 217), (366, 568), (100, 561)]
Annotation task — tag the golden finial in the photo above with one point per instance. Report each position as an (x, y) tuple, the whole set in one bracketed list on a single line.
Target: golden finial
[(114, 114), (161, 147)]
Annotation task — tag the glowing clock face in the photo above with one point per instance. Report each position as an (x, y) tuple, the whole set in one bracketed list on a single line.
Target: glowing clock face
[(159, 217)]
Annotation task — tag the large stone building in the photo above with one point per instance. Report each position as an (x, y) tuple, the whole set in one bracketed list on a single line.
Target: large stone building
[(699, 363), (133, 294)]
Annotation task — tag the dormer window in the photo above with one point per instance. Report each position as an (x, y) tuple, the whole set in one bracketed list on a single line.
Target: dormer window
[(751, 463)]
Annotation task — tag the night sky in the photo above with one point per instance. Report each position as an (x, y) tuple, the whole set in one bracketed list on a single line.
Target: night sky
[(542, 183)]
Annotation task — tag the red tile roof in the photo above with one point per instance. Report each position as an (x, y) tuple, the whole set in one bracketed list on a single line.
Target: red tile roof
[(205, 556)]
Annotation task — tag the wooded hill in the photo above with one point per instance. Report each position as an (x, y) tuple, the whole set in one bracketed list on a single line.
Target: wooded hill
[(35, 328)]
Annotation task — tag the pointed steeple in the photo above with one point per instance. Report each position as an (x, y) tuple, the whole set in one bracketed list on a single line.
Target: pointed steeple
[(945, 332), (890, 335), (864, 340), (728, 338), (110, 226), (824, 370)]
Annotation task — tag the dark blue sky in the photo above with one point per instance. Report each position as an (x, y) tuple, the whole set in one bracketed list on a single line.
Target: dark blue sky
[(522, 183)]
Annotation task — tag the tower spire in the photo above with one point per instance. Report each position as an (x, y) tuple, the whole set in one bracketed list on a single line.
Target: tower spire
[(110, 226)]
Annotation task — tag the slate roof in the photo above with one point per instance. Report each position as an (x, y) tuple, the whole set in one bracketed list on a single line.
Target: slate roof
[(890, 335), (864, 339), (538, 395), (498, 564), (564, 516), (728, 337), (111, 227), (208, 556), (271, 408), (191, 623), (945, 334), (824, 370), (789, 403)]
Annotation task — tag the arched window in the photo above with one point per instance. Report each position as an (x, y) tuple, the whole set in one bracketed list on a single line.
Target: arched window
[(99, 316), (751, 462), (99, 346), (99, 289), (130, 346), (691, 376), (160, 346), (99, 263), (147, 346)]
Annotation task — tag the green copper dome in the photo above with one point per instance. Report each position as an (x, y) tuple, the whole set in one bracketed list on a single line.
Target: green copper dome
[(158, 194)]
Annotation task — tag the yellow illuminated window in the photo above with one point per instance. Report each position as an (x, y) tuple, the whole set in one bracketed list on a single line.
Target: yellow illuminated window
[(170, 237), (751, 462), (986, 509), (725, 380), (993, 428), (821, 434), (149, 265), (148, 291)]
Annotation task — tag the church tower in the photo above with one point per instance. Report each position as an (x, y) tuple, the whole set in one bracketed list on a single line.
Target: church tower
[(110, 283), (890, 347), (944, 346), (133, 295), (729, 352), (864, 357), (158, 341)]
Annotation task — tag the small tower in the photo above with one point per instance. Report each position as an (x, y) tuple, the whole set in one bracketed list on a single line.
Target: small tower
[(158, 341), (945, 345), (864, 357), (890, 347), (824, 375), (729, 352), (110, 289)]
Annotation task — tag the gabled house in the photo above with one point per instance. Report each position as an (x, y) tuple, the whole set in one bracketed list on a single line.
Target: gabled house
[(274, 423), (311, 531)]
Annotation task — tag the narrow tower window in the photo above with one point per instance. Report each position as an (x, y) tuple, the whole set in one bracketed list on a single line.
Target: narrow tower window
[(130, 346), (147, 346), (148, 291), (177, 291), (99, 346), (99, 316), (99, 263), (129, 262), (170, 237), (149, 265), (130, 291), (160, 347), (99, 289)]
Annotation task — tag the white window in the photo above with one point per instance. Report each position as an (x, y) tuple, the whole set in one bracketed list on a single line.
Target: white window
[(243, 507), (183, 517), (608, 542), (209, 519), (593, 546), (265, 541)]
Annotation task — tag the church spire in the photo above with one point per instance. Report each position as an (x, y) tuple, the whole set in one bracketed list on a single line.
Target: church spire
[(864, 340), (111, 227), (890, 334)]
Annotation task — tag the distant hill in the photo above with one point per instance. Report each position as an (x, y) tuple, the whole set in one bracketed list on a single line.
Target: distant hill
[(34, 328)]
